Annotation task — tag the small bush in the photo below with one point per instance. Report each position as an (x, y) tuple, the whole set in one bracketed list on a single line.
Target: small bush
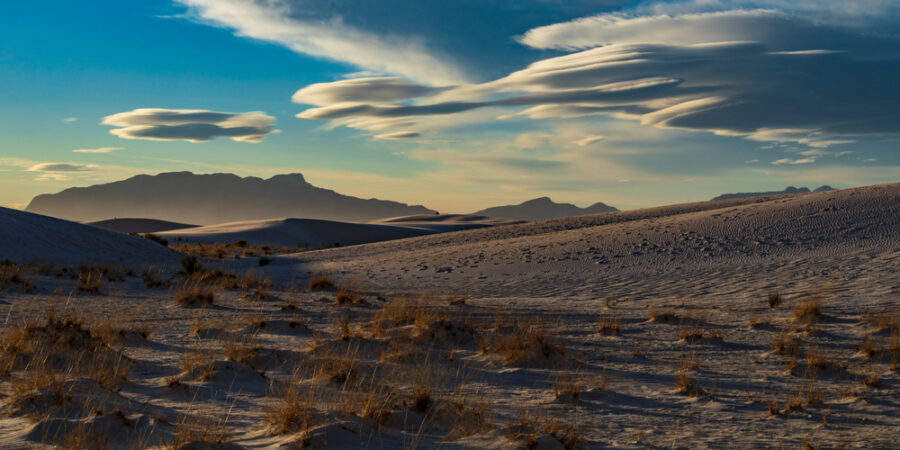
[(808, 311), (320, 282), (195, 295), (610, 326), (774, 299), (190, 265)]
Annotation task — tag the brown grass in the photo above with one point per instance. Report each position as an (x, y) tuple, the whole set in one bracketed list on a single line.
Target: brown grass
[(774, 299), (610, 326), (319, 282), (662, 315), (193, 294), (807, 312)]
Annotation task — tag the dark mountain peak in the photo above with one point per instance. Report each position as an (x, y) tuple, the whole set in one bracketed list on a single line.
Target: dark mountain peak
[(787, 190), (823, 188), (542, 208), (186, 197)]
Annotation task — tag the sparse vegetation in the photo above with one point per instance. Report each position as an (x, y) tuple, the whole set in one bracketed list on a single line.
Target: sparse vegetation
[(195, 294)]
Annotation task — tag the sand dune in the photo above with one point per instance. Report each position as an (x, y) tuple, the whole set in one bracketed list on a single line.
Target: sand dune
[(28, 237), (137, 225), (313, 233), (850, 234), (768, 322)]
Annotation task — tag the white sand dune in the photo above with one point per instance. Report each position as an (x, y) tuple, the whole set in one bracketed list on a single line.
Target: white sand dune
[(849, 235), (313, 233), (638, 329), (139, 225), (28, 237)]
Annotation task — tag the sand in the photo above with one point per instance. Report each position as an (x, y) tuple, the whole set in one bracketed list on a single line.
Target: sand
[(648, 328)]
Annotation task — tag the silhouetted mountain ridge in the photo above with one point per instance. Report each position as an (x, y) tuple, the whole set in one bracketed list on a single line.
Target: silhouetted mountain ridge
[(787, 190), (542, 208), (214, 198)]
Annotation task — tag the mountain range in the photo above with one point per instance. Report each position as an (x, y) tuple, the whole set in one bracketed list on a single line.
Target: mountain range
[(216, 198), (542, 209), (787, 190)]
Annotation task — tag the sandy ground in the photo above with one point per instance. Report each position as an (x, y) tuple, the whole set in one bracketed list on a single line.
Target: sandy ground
[(656, 328)]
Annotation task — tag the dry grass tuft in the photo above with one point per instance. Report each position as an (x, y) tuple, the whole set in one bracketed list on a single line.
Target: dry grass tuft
[(786, 344), (531, 430), (193, 294), (13, 274), (524, 345), (686, 385), (807, 312), (610, 326), (290, 409), (774, 299), (662, 315), (320, 282)]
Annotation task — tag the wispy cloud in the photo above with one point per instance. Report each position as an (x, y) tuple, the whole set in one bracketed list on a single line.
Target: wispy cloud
[(69, 120), (276, 21), (398, 135), (192, 125), (763, 75), (61, 167), (97, 150)]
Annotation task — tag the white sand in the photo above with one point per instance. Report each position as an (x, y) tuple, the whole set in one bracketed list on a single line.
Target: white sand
[(710, 264)]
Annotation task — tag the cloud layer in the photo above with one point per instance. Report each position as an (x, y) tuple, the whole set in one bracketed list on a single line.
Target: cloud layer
[(192, 125), (97, 150), (279, 22), (760, 74)]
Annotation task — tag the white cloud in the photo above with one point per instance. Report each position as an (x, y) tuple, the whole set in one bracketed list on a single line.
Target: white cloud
[(780, 86), (380, 89), (97, 150), (275, 21), (794, 161), (61, 167), (589, 140), (398, 135), (69, 120), (192, 125)]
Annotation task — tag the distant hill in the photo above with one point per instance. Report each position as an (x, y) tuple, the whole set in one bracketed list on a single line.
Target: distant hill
[(542, 209), (215, 198), (788, 190), (139, 225)]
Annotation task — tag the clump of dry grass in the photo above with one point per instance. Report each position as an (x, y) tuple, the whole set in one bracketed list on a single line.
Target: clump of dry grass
[(528, 429), (347, 296), (662, 315), (194, 294), (774, 299), (47, 354), (786, 344), (13, 274), (290, 409), (807, 312), (610, 326), (319, 282), (231, 250), (89, 281), (694, 332), (526, 344), (154, 276), (686, 385)]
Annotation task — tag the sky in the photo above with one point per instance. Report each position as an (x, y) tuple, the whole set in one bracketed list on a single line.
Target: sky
[(457, 105)]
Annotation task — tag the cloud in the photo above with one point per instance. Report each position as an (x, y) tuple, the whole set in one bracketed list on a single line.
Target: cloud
[(371, 89), (97, 150), (589, 140), (61, 167), (763, 75), (69, 120), (192, 125), (793, 161), (276, 21), (398, 135)]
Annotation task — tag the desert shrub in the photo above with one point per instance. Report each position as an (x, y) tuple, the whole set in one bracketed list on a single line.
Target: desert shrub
[(320, 281), (610, 326), (264, 261), (190, 265), (774, 299), (153, 237), (89, 282), (662, 315), (194, 294), (154, 276), (808, 311), (13, 274)]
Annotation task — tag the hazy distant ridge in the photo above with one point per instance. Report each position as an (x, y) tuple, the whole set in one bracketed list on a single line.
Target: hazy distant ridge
[(787, 190), (215, 198), (541, 209)]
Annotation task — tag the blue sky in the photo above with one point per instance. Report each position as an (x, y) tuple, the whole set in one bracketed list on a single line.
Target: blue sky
[(458, 105)]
